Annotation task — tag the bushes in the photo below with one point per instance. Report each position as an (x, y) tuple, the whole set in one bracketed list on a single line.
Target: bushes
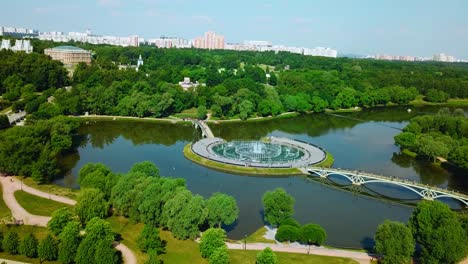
[(212, 246), (313, 234), (291, 231), (288, 233)]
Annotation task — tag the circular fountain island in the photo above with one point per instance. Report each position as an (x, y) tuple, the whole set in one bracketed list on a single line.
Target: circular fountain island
[(269, 156)]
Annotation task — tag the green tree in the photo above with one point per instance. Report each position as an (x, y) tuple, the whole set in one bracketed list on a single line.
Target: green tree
[(438, 232), (201, 112), (69, 242), (266, 256), (146, 168), (212, 239), (278, 206), (149, 240), (222, 209), (60, 218), (406, 140), (288, 233), (99, 176), (47, 249), (431, 148), (10, 243), (97, 231), (4, 122), (28, 246), (313, 234), (219, 256), (90, 204), (105, 253), (395, 242), (184, 213)]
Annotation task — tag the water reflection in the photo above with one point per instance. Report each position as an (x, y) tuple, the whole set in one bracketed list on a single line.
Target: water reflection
[(350, 219)]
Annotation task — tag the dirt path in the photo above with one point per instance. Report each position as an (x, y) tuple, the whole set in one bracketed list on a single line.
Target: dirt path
[(360, 257), (16, 183), (127, 254), (11, 185)]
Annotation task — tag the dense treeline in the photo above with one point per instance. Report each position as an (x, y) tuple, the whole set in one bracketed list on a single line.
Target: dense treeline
[(144, 196), (33, 150), (18, 69), (238, 84), (439, 232), (442, 135)]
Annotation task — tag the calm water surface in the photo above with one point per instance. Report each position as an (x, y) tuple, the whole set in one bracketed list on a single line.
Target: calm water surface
[(362, 141)]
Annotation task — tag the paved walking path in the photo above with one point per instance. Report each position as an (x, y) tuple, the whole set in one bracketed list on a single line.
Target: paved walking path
[(17, 211), (360, 257), (11, 185)]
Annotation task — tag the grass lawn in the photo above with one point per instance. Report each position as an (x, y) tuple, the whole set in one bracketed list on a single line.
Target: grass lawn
[(328, 162), (180, 251), (188, 153), (39, 232), (129, 233), (249, 256), (38, 205), (4, 210), (257, 236), (187, 113), (52, 188)]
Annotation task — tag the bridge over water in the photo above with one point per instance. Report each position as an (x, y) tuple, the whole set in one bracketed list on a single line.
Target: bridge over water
[(361, 178), (206, 131)]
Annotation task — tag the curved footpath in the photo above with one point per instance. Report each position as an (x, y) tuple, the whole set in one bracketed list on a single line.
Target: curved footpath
[(11, 185)]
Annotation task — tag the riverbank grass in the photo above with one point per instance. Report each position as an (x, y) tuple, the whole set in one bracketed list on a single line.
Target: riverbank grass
[(188, 153), (37, 205), (327, 162), (51, 188), (249, 257), (259, 236)]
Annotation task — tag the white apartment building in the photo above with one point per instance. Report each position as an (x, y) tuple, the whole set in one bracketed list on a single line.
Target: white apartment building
[(444, 57), (170, 42), (20, 45)]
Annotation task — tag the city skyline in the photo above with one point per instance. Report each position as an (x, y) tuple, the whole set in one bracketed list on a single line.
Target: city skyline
[(418, 28)]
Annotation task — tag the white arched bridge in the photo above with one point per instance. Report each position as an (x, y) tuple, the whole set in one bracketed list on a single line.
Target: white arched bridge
[(205, 129), (360, 178)]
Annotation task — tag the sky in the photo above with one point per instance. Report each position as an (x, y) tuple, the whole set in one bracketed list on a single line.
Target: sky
[(364, 27)]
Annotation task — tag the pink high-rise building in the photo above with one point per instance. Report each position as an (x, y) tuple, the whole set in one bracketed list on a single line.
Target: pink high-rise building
[(133, 41), (209, 41)]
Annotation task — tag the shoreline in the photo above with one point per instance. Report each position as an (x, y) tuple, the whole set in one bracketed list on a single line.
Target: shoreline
[(175, 120)]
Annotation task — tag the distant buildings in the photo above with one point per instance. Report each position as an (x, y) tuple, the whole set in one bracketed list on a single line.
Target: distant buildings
[(170, 42), (18, 32), (444, 57), (69, 55), (186, 84), (88, 37), (209, 41), (261, 45), (20, 45)]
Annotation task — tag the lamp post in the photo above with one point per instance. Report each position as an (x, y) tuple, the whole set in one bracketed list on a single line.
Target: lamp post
[(245, 242)]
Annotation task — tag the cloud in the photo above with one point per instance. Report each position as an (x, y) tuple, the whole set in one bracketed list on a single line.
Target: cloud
[(109, 3), (203, 19)]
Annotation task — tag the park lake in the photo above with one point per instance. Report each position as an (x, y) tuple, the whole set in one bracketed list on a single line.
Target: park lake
[(359, 141)]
